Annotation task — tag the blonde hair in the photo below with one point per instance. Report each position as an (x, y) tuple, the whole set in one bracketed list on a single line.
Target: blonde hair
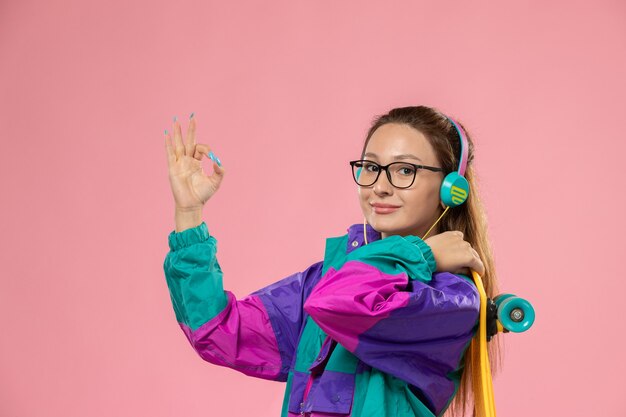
[(469, 218)]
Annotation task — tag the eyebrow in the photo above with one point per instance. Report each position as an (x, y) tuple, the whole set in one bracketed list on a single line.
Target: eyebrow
[(403, 156)]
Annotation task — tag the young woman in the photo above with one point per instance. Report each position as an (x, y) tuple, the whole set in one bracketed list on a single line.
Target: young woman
[(381, 325)]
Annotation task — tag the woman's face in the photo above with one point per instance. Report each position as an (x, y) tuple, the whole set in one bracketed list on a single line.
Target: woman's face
[(418, 205)]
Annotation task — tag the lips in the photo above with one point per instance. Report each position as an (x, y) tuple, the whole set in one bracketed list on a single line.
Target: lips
[(380, 208), (381, 205)]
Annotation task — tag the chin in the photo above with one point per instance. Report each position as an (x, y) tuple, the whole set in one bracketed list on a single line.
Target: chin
[(388, 226), (391, 227)]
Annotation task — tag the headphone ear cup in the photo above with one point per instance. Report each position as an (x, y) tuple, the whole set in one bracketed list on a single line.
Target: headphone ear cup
[(454, 189)]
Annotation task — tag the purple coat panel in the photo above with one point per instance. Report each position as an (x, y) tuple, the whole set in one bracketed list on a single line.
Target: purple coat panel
[(388, 307)]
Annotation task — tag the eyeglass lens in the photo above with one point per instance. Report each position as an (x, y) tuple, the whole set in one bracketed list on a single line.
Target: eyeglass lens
[(402, 174)]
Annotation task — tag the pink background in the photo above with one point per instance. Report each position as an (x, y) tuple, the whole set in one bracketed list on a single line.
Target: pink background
[(284, 92)]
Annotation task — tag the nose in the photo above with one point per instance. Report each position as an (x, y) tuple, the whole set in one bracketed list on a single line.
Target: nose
[(382, 185)]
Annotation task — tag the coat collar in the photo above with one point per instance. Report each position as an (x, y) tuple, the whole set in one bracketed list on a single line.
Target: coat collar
[(356, 238)]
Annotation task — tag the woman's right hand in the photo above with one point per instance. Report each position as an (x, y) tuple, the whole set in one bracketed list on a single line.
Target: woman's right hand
[(453, 254), (190, 185)]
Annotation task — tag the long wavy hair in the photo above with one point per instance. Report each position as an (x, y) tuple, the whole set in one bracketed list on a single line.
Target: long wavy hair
[(469, 218)]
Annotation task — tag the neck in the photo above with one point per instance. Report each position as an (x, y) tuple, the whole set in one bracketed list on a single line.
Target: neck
[(422, 231)]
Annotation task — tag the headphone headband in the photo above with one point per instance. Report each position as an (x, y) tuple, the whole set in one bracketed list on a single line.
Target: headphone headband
[(464, 147)]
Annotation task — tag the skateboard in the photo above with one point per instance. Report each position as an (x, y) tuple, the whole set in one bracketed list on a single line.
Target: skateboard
[(505, 313)]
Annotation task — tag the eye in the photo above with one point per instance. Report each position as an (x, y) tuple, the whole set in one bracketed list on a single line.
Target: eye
[(407, 170), (370, 166)]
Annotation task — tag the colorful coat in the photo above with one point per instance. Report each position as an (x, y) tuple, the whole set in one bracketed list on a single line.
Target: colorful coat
[(372, 330)]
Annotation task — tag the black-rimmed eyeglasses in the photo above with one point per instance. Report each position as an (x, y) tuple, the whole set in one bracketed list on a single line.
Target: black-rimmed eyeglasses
[(399, 174)]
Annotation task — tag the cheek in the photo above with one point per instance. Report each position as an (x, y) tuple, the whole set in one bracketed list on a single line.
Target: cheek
[(364, 198), (433, 191), (422, 197)]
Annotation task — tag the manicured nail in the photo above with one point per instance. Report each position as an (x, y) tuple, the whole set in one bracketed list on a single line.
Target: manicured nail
[(191, 116), (215, 158), (174, 119), (166, 131)]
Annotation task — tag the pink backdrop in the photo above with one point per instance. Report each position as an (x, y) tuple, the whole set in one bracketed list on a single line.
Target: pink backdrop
[(284, 92)]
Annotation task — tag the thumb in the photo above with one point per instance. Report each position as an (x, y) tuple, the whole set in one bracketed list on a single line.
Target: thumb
[(218, 170)]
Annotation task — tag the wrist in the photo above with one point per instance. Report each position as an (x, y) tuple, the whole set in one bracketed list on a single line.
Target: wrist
[(187, 218)]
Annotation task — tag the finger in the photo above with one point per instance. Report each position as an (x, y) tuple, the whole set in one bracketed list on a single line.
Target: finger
[(178, 141), (187, 149), (191, 136), (478, 264), (197, 153), (201, 149), (480, 268), (171, 156)]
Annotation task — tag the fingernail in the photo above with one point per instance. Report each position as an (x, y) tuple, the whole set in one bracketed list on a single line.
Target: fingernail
[(174, 119), (215, 158), (166, 131), (191, 116)]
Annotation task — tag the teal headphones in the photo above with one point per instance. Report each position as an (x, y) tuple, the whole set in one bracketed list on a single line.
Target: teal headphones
[(454, 188)]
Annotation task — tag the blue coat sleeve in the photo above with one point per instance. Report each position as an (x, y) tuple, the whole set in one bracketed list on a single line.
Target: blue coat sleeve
[(255, 335)]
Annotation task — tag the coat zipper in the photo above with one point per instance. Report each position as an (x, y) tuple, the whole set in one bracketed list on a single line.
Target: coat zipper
[(310, 382), (306, 393)]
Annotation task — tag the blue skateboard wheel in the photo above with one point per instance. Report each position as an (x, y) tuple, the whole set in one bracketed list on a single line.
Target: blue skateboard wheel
[(516, 314)]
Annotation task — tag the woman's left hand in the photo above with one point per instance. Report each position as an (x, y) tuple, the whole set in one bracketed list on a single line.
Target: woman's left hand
[(453, 254)]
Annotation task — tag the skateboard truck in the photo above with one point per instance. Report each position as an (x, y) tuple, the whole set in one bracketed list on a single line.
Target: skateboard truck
[(508, 313)]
